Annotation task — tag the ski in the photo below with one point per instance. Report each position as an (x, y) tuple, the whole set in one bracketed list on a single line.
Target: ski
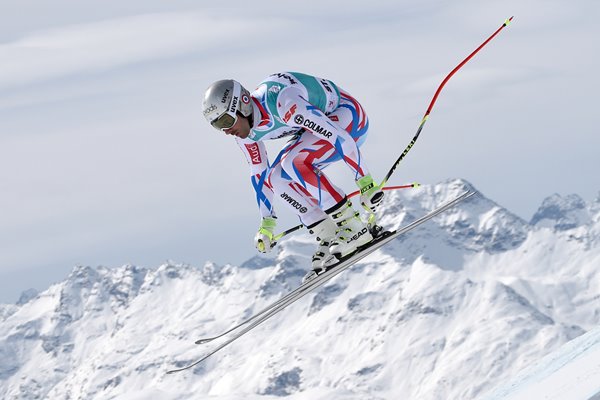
[(249, 324)]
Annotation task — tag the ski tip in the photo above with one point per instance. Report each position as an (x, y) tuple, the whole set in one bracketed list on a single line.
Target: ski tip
[(508, 21), (207, 340), (172, 371), (469, 193)]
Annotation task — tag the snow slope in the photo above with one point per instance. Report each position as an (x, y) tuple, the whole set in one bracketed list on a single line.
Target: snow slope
[(449, 311), (571, 372)]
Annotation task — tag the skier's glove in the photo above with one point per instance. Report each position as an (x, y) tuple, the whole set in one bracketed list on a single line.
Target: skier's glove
[(264, 237), (370, 193)]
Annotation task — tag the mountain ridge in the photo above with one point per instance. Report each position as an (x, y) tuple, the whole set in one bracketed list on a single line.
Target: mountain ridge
[(443, 312)]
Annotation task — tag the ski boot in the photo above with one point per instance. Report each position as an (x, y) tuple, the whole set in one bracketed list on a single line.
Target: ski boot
[(324, 231), (352, 231)]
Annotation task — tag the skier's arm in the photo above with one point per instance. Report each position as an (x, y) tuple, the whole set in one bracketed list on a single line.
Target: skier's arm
[(297, 111), (256, 155)]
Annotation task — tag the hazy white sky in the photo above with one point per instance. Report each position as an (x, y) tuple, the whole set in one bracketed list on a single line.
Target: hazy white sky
[(105, 158)]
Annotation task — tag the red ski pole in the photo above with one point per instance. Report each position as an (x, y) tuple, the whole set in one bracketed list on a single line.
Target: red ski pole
[(435, 96), (414, 139)]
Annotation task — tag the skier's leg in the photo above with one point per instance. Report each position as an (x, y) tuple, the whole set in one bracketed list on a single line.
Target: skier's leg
[(305, 161), (293, 194), (301, 164), (352, 231)]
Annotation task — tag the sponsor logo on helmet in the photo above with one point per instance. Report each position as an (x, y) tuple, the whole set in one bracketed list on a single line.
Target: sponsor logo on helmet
[(299, 119), (294, 203), (245, 99), (313, 126), (334, 118), (254, 152), (233, 105), (274, 89), (224, 98), (289, 113), (210, 109)]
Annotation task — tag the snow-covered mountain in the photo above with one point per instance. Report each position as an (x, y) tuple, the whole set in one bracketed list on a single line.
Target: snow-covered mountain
[(448, 311)]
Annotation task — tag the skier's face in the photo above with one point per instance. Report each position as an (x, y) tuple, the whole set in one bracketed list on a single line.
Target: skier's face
[(241, 128)]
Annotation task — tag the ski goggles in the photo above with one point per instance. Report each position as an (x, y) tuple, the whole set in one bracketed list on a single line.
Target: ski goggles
[(224, 121)]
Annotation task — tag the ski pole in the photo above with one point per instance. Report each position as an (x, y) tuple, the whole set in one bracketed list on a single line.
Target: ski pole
[(435, 96), (300, 226), (425, 117)]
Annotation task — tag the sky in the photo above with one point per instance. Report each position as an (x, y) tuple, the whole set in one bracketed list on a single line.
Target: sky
[(105, 158)]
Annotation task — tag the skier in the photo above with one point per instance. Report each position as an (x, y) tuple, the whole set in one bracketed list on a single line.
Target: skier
[(326, 124)]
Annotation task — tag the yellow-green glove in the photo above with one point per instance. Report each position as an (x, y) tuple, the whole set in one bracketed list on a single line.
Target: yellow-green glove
[(370, 193), (264, 237)]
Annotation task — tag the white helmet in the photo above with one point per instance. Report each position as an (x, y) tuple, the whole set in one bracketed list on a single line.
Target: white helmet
[(223, 100)]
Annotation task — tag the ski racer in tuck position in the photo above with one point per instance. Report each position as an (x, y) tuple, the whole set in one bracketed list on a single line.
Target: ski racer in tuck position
[(326, 124)]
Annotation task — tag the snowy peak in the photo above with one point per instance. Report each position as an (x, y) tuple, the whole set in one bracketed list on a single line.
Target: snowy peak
[(564, 212), (87, 287), (482, 225), (26, 296)]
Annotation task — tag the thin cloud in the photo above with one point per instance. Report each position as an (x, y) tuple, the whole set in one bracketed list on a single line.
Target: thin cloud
[(113, 43)]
